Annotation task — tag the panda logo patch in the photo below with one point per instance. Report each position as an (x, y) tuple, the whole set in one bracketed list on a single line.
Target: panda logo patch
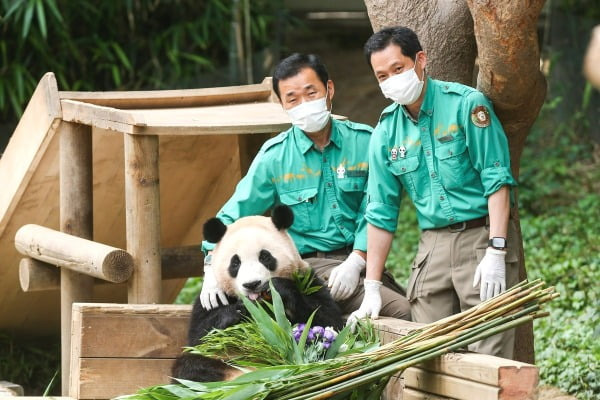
[(480, 116)]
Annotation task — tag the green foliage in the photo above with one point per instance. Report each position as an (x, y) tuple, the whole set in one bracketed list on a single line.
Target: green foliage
[(117, 45), (30, 363)]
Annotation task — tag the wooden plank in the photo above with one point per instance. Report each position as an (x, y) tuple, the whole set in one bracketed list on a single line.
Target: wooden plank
[(485, 369), (106, 378), (142, 204), (449, 386), (412, 394), (175, 98), (99, 116), (107, 330), (24, 151), (394, 389)]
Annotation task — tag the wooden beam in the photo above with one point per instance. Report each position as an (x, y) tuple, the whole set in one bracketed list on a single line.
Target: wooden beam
[(76, 207), (449, 386), (142, 217), (175, 98), (27, 144), (74, 253), (412, 394), (117, 376), (176, 263), (485, 369)]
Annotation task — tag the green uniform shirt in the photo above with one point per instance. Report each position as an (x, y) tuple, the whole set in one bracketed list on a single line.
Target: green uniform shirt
[(449, 161), (326, 190)]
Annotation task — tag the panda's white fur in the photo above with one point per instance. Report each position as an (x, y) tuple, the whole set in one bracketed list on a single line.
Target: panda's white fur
[(246, 238), (263, 251)]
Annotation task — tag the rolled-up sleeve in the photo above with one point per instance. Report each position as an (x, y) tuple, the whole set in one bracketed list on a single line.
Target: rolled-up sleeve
[(384, 190), (488, 146)]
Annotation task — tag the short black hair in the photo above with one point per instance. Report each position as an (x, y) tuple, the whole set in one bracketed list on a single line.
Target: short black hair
[(292, 65), (401, 36)]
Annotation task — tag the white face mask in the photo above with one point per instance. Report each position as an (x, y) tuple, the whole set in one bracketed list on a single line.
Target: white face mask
[(404, 88), (310, 116)]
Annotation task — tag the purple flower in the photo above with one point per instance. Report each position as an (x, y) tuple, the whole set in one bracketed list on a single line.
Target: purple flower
[(330, 334), (326, 345), (318, 331)]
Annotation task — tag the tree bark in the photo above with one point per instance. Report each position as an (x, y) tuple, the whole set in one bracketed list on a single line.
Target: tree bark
[(508, 60), (445, 30), (509, 74)]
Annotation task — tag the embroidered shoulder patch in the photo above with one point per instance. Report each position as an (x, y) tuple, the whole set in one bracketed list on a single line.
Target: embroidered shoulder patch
[(480, 116)]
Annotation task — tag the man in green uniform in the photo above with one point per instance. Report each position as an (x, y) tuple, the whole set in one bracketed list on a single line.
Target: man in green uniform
[(441, 143), (319, 169)]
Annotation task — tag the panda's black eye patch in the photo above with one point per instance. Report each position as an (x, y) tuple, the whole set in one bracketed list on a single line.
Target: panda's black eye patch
[(266, 258), (234, 265)]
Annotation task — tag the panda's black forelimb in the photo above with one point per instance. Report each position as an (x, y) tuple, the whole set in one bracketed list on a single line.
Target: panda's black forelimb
[(203, 321), (300, 306)]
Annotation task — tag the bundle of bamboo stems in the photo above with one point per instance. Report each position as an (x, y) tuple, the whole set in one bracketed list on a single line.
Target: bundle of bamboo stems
[(368, 372)]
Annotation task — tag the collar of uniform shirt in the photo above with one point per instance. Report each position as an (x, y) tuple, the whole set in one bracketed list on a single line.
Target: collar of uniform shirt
[(305, 143)]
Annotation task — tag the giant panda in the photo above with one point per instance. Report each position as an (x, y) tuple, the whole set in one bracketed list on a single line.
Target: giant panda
[(249, 253)]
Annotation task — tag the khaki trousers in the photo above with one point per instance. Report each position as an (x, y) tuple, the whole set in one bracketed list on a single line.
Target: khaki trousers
[(441, 281), (393, 302)]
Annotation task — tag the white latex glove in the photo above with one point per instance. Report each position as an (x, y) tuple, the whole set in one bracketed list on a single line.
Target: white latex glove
[(211, 291), (371, 304), (491, 271), (344, 278)]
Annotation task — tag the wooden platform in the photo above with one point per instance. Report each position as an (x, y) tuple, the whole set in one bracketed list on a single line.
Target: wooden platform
[(110, 357), (207, 137)]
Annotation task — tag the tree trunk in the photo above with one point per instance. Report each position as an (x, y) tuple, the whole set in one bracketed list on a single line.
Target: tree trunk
[(445, 30), (509, 74)]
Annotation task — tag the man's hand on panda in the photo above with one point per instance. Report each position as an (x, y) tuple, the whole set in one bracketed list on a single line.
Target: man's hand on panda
[(371, 304), (344, 278), (211, 293)]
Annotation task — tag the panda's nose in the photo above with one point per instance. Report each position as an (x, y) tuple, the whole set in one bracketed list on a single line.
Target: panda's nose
[(252, 285)]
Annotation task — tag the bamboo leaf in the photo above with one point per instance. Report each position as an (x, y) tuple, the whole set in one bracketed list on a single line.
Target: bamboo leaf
[(121, 55), (41, 17), (27, 18), (54, 10), (14, 8)]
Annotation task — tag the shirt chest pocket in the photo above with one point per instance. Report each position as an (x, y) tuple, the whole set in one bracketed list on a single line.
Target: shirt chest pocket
[(413, 179), (351, 191), (454, 165), (303, 203)]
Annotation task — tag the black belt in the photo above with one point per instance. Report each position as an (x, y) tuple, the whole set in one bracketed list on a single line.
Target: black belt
[(344, 251), (463, 226)]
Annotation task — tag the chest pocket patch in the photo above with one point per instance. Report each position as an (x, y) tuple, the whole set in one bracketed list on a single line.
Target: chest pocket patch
[(412, 177), (454, 165), (303, 204)]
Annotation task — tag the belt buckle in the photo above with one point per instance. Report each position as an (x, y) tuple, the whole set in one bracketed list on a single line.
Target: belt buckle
[(462, 227)]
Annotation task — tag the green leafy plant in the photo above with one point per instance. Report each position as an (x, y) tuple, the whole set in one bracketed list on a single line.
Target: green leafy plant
[(362, 374)]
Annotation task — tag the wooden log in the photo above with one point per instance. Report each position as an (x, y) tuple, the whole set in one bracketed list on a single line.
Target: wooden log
[(76, 208), (74, 253), (142, 217), (35, 275), (176, 263)]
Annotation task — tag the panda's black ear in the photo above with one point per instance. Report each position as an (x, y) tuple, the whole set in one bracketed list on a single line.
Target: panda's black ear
[(282, 217), (213, 230)]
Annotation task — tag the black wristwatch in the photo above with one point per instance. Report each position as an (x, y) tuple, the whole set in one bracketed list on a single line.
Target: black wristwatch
[(498, 243)]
